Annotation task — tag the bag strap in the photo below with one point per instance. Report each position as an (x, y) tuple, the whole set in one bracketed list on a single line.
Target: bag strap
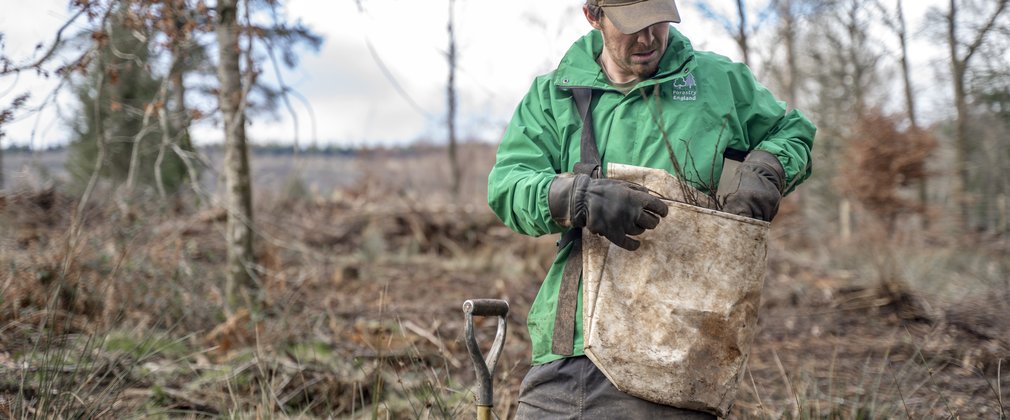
[(563, 339), (589, 154)]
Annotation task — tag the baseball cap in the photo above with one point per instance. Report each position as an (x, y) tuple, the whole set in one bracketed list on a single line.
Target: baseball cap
[(630, 16)]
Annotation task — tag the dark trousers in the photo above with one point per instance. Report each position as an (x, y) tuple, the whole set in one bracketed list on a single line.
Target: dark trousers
[(573, 388)]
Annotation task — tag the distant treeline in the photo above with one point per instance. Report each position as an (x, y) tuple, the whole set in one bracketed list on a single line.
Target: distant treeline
[(277, 149), (285, 150), (29, 149)]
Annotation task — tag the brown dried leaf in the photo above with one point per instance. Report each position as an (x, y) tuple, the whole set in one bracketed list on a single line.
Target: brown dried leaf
[(880, 161)]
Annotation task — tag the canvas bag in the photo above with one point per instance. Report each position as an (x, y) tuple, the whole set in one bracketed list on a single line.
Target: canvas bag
[(673, 321)]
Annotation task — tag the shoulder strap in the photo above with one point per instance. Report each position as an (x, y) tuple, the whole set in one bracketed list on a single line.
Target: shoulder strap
[(589, 154), (563, 339)]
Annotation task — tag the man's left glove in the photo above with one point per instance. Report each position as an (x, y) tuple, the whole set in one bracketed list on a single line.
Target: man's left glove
[(762, 180)]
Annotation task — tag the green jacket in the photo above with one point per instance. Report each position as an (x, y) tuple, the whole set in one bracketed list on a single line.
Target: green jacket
[(706, 104)]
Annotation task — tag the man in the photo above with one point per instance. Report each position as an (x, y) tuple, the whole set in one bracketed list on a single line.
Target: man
[(651, 93)]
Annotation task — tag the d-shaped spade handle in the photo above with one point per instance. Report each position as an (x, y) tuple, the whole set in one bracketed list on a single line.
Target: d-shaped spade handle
[(485, 366)]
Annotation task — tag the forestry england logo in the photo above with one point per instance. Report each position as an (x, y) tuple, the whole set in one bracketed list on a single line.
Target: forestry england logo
[(685, 88)]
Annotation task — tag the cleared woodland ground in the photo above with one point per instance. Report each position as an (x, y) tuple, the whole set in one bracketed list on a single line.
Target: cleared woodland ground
[(359, 309)]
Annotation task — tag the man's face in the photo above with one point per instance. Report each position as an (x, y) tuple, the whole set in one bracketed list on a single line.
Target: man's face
[(634, 56)]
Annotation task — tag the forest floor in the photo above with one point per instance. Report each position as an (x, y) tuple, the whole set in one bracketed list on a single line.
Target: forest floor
[(119, 311)]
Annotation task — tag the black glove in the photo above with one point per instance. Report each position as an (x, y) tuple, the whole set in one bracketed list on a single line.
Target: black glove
[(762, 180), (608, 207)]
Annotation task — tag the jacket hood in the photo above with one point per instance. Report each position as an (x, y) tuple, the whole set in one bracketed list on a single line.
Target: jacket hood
[(578, 68)]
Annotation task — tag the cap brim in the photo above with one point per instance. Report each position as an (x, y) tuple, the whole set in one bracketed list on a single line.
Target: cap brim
[(637, 16)]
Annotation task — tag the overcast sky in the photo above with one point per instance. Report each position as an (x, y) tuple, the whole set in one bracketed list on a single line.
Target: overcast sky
[(502, 45)]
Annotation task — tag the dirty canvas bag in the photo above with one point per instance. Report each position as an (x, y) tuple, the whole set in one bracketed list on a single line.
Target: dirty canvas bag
[(673, 321)]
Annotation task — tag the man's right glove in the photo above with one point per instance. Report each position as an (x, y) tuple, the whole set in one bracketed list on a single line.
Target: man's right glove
[(612, 208)]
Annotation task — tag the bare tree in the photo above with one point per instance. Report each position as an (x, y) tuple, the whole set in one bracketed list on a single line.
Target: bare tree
[(989, 90), (181, 45), (9, 67), (5, 115), (897, 25), (454, 166), (962, 50), (742, 32), (901, 31), (236, 158), (841, 66), (740, 28), (788, 33), (864, 60)]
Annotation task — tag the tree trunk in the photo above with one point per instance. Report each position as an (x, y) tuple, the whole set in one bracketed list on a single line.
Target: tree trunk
[(236, 156), (179, 115), (788, 35), (454, 166), (910, 107), (905, 72), (959, 68), (855, 30), (961, 107), (789, 38), (741, 35)]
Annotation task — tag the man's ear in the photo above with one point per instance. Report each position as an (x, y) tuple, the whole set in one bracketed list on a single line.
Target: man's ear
[(589, 17)]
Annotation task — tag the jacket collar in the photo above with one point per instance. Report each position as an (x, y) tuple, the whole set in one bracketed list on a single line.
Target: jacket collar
[(579, 68)]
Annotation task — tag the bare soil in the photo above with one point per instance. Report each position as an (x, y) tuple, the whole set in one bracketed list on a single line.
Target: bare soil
[(359, 315)]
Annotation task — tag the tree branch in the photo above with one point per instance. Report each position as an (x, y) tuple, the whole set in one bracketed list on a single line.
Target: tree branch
[(6, 69), (980, 38)]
